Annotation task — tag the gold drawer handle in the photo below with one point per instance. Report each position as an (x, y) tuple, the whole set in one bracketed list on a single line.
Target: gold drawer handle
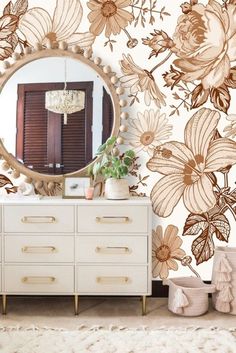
[(113, 219), (38, 219), (39, 249), (124, 250), (38, 280), (113, 280)]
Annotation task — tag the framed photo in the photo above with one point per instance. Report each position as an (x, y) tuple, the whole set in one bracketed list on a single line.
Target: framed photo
[(74, 187)]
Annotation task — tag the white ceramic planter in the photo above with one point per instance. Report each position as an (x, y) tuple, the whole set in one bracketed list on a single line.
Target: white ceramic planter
[(116, 189)]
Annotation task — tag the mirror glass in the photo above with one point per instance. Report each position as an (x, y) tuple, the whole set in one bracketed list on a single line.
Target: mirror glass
[(39, 138)]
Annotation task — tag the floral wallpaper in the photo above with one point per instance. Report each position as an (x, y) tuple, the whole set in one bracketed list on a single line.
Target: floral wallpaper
[(177, 61)]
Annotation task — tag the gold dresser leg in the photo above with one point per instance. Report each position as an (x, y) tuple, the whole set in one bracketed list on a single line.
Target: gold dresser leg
[(4, 304), (144, 305), (76, 305)]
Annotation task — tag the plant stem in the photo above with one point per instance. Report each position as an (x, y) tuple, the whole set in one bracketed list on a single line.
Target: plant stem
[(226, 180), (161, 63), (127, 33)]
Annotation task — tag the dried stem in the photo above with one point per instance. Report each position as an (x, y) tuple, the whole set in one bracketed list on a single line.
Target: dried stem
[(161, 63)]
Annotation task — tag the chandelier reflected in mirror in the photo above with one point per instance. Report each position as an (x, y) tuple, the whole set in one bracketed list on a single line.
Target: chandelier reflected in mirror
[(65, 101)]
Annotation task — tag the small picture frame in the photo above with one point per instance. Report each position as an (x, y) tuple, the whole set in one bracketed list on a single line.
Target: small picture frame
[(74, 187)]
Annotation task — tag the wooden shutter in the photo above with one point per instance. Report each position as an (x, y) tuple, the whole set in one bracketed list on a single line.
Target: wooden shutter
[(43, 139), (31, 146)]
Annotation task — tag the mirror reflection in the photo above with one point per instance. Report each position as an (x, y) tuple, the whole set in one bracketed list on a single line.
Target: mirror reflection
[(54, 136)]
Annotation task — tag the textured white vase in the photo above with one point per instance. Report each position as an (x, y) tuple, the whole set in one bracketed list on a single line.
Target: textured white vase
[(116, 189), (225, 279)]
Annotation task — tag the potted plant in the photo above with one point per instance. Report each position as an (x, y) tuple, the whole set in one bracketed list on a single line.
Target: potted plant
[(113, 166)]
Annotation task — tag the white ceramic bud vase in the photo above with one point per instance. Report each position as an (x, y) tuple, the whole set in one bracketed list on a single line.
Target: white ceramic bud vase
[(116, 189)]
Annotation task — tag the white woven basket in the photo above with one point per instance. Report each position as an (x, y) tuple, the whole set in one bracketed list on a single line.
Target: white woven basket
[(188, 296), (229, 255)]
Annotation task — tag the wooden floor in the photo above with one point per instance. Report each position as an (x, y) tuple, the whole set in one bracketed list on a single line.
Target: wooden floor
[(58, 312)]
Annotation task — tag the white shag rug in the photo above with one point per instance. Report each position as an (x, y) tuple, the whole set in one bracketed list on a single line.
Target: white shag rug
[(117, 340)]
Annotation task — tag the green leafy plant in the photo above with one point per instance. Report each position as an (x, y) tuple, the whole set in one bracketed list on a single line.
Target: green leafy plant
[(111, 164)]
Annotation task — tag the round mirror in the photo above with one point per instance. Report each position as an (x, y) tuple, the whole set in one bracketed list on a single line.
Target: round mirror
[(43, 136), (59, 107)]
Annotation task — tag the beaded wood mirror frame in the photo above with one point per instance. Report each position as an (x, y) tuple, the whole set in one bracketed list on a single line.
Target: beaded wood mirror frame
[(45, 182)]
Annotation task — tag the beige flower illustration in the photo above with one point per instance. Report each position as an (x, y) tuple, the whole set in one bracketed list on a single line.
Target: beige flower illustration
[(159, 42), (165, 251), (231, 128), (203, 55), (188, 166), (38, 26), (148, 131), (108, 14), (139, 80)]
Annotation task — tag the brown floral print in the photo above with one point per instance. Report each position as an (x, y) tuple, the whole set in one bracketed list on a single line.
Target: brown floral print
[(165, 251), (188, 166), (109, 14), (148, 131), (38, 26), (230, 129), (140, 80), (8, 26)]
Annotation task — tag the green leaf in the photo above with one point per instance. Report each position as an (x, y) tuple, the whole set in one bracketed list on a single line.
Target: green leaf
[(130, 154), (128, 161), (101, 149), (96, 168), (111, 141)]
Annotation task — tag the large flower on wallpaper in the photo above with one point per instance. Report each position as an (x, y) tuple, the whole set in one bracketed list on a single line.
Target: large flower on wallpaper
[(148, 130), (204, 43), (39, 27), (187, 167), (140, 80), (109, 14), (165, 251)]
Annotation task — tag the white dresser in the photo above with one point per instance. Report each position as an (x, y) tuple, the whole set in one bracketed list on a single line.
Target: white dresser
[(54, 246)]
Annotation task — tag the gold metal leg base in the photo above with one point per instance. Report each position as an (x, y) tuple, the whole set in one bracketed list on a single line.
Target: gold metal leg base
[(4, 304), (144, 305), (76, 305)]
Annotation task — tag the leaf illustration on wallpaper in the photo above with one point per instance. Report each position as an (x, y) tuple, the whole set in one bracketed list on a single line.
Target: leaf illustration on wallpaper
[(206, 226), (148, 131), (187, 167), (139, 80), (8, 27), (143, 8), (39, 27), (165, 251)]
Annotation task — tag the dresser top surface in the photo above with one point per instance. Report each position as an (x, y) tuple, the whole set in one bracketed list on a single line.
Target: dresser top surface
[(46, 200)]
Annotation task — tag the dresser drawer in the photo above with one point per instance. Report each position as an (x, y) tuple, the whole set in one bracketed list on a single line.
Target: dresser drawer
[(116, 248), (38, 218), (111, 280), (112, 219), (39, 279), (36, 248)]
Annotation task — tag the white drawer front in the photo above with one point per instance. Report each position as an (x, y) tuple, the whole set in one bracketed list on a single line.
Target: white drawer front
[(38, 218), (112, 279), (0, 279), (116, 248), (36, 248), (113, 219), (39, 279)]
